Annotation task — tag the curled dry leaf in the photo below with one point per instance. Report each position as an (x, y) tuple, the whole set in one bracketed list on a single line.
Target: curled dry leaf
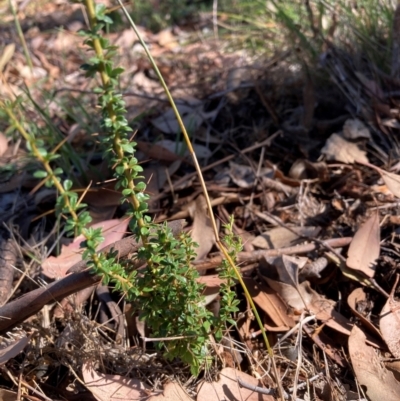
[(365, 247), (380, 384), (113, 387), (391, 180), (337, 148), (202, 231), (358, 295), (270, 302)]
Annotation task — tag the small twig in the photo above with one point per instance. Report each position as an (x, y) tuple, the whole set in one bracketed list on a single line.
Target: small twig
[(271, 391), (303, 385), (299, 344), (255, 256), (257, 389), (293, 329), (262, 390)]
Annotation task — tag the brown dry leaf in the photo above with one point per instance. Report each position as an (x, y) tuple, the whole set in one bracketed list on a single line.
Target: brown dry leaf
[(289, 269), (202, 231), (392, 181), (390, 324), (166, 38), (280, 237), (212, 284), (365, 247), (6, 395), (394, 367), (337, 148), (3, 144), (172, 392), (297, 298), (285, 269), (101, 213), (324, 309), (158, 152), (113, 387), (270, 303), (358, 295), (12, 350), (379, 382), (227, 388), (303, 169), (6, 55), (57, 266)]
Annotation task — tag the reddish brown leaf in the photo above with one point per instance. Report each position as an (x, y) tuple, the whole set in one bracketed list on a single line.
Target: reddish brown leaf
[(365, 247), (56, 267), (267, 299)]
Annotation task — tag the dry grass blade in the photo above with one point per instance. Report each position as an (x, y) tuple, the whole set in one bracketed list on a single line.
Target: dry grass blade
[(207, 199), (365, 247)]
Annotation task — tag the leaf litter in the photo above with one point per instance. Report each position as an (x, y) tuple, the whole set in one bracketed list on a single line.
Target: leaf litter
[(319, 179)]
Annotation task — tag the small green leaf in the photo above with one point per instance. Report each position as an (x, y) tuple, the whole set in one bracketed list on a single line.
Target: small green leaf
[(40, 174)]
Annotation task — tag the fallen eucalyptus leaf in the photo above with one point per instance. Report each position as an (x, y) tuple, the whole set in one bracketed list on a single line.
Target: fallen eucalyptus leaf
[(365, 247)]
